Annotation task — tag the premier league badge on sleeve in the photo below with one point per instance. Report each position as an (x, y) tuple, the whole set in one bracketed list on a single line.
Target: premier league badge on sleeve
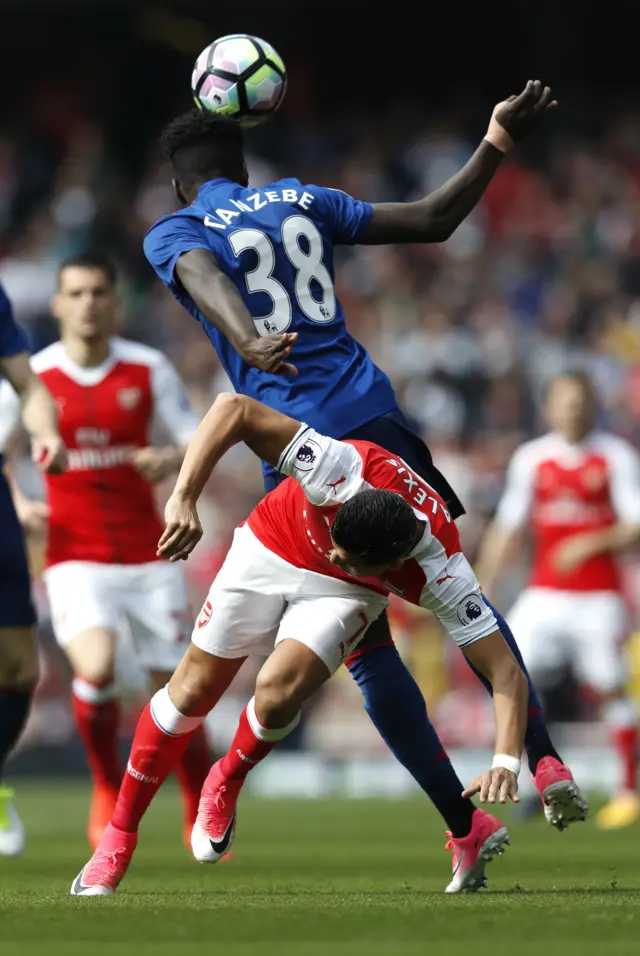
[(307, 455), (470, 608)]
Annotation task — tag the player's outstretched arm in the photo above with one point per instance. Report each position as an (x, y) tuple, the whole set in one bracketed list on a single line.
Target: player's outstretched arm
[(222, 305), (438, 215), (230, 420), (39, 414), (492, 656)]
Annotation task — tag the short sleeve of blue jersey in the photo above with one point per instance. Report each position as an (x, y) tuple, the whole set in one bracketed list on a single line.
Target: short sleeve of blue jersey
[(12, 339), (168, 239), (347, 217)]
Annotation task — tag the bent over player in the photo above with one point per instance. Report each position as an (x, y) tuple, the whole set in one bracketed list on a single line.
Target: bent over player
[(18, 652), (306, 576), (578, 490), (255, 268), (101, 566)]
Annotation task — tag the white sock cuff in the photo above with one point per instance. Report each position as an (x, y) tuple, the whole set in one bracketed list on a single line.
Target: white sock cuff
[(621, 713), (93, 693), (168, 717), (268, 734)]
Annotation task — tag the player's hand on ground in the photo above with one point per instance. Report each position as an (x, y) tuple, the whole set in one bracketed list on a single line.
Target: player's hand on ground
[(514, 117), (571, 554), (50, 454), (495, 785), (32, 515), (154, 464), (269, 353), (182, 529)]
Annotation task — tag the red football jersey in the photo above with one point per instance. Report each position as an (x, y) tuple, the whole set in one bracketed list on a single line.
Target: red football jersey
[(560, 490), (101, 509), (295, 519)]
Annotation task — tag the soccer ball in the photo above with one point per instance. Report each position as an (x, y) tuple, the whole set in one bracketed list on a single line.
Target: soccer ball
[(241, 77)]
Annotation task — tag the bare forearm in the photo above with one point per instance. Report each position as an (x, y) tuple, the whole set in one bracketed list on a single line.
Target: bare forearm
[(498, 546), (39, 413), (221, 427), (438, 215), (217, 298), (510, 697), (616, 538)]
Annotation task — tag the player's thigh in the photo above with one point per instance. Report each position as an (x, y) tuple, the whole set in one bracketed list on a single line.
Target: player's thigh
[(85, 604), (246, 601), (157, 611), (18, 657), (537, 622), (331, 625), (600, 626)]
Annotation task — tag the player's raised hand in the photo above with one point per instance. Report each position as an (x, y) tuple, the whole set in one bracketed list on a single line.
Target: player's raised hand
[(514, 117), (182, 529), (50, 454), (269, 353), (495, 784)]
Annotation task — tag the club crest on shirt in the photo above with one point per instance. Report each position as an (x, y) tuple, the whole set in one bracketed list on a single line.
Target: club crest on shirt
[(204, 615), (593, 477), (307, 455), (129, 397), (470, 608)]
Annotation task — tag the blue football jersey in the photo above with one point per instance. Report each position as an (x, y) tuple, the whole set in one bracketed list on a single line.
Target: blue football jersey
[(12, 339), (276, 244)]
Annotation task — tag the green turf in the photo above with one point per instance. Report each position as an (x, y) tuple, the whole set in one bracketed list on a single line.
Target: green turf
[(333, 877)]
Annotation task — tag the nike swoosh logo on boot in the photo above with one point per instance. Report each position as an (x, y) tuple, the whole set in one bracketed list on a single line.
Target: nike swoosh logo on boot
[(219, 846)]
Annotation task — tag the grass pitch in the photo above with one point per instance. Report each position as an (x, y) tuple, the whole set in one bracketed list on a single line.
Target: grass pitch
[(310, 878)]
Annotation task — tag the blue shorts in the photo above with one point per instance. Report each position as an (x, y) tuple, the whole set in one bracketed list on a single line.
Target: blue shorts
[(16, 606), (393, 432)]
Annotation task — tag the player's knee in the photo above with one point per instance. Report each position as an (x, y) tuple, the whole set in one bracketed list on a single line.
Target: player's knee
[(277, 699), (96, 671), (19, 668)]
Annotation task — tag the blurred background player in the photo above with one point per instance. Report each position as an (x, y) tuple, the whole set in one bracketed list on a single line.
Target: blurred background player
[(577, 490), (255, 268), (103, 527), (18, 651)]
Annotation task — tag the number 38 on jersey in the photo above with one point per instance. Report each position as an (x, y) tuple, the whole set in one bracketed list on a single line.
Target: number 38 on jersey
[(312, 287)]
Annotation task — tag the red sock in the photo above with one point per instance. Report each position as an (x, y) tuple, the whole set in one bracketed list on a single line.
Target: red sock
[(192, 770), (625, 740), (97, 715), (251, 743), (154, 754)]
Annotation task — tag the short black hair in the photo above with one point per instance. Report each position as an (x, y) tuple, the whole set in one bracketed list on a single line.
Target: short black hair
[(377, 526), (202, 145), (91, 259)]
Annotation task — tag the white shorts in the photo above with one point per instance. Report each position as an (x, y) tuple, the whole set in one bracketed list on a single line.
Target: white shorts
[(151, 599), (258, 600), (586, 631)]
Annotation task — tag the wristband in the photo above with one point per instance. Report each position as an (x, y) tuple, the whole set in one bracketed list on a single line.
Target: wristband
[(507, 762)]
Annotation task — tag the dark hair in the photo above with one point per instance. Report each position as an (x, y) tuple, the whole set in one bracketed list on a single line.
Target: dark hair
[(579, 377), (377, 526), (202, 145), (91, 259)]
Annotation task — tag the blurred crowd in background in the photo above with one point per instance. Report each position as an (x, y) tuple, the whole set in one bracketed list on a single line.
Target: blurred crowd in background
[(544, 275)]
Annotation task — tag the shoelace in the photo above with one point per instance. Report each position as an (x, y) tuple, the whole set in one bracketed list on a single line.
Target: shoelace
[(112, 860), (212, 810)]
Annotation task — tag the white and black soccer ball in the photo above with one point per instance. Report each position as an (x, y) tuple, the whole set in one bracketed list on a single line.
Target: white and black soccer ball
[(241, 77)]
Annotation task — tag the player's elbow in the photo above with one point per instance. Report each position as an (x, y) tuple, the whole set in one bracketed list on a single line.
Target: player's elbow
[(510, 678)]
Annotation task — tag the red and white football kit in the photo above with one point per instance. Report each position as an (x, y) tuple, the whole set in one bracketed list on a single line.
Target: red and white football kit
[(277, 581), (560, 490), (101, 564)]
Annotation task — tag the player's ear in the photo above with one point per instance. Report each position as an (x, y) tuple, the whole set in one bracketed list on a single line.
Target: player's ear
[(177, 188)]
